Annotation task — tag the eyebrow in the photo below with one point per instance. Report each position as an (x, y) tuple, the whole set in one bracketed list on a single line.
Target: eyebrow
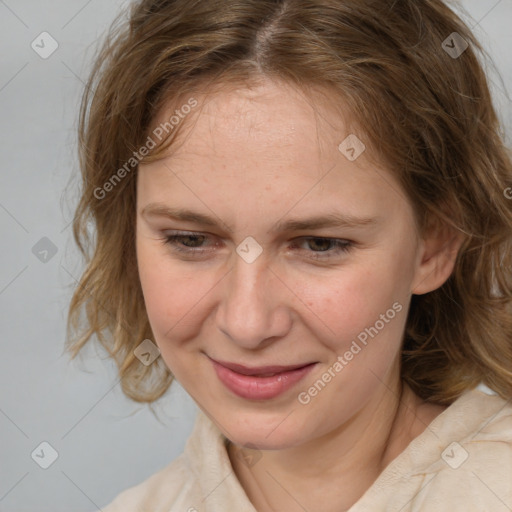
[(330, 220)]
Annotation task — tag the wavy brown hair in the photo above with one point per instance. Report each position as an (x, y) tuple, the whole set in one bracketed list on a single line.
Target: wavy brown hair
[(426, 113)]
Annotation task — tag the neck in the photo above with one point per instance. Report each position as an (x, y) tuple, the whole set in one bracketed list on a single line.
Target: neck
[(334, 471)]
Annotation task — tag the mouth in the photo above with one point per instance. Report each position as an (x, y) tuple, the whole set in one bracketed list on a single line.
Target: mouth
[(260, 382)]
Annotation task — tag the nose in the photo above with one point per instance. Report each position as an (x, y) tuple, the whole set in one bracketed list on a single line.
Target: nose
[(253, 309)]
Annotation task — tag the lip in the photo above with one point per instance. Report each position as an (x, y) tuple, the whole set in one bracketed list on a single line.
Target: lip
[(261, 382)]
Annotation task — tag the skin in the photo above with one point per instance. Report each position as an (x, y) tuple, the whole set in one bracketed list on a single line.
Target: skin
[(252, 157)]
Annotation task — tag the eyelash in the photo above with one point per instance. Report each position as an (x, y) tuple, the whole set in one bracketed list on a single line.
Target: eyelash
[(172, 240)]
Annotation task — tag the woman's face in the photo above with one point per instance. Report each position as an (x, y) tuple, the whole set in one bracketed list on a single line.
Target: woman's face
[(281, 303)]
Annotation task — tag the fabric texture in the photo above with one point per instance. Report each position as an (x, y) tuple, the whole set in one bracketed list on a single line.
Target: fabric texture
[(461, 462)]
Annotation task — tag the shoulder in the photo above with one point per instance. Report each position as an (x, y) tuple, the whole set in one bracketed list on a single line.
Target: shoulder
[(170, 487), (200, 479), (174, 486), (474, 469), (461, 461), (480, 429)]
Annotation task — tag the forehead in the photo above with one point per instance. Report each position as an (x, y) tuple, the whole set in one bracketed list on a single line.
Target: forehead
[(268, 142), (260, 116)]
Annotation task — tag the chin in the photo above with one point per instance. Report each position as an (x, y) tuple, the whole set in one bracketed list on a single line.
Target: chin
[(254, 438), (263, 429)]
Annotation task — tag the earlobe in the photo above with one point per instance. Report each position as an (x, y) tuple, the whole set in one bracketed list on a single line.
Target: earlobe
[(437, 260)]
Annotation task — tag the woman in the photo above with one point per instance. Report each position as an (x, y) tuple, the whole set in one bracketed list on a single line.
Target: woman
[(303, 205)]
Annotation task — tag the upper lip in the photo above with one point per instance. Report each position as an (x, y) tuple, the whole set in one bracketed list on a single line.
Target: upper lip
[(259, 370)]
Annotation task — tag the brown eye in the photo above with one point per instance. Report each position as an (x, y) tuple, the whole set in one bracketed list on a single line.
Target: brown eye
[(190, 243), (325, 248)]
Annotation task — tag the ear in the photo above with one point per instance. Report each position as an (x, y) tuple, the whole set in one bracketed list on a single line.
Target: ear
[(436, 259)]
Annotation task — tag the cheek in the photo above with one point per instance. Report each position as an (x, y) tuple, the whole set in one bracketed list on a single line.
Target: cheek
[(363, 315), (351, 301), (174, 295)]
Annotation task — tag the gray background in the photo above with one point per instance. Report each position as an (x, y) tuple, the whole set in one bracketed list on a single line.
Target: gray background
[(105, 442)]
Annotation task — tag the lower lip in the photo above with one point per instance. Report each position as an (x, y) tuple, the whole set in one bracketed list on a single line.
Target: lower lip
[(260, 388)]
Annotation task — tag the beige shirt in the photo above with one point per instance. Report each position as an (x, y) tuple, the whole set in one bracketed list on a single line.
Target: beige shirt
[(461, 462)]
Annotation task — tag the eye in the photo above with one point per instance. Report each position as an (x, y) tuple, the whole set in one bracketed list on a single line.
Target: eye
[(325, 248), (319, 248), (185, 242)]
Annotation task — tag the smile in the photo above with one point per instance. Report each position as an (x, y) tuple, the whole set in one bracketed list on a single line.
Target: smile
[(260, 383)]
